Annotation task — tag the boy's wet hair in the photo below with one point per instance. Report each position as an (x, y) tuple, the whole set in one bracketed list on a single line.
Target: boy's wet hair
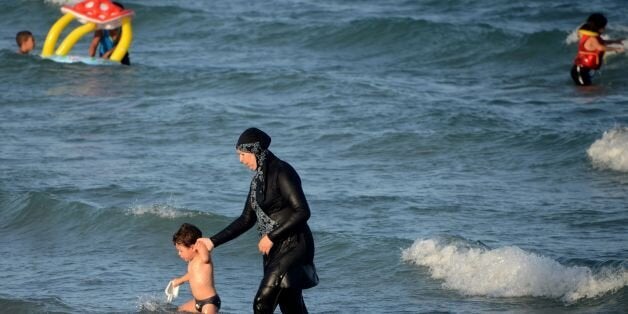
[(22, 36), (187, 235)]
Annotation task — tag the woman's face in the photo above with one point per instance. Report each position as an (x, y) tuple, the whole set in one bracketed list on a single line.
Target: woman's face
[(247, 159)]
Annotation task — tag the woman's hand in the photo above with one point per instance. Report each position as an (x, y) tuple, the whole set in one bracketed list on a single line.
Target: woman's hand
[(264, 245), (207, 243)]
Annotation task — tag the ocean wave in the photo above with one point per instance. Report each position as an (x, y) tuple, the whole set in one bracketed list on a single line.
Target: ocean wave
[(611, 151), (40, 212), (369, 32), (403, 39), (33, 305), (511, 272)]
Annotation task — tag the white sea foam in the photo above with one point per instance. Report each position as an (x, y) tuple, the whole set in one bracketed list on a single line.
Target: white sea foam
[(611, 151), (160, 210), (510, 272), (63, 2), (572, 38)]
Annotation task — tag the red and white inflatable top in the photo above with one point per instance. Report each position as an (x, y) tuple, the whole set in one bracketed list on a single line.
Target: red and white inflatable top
[(103, 13)]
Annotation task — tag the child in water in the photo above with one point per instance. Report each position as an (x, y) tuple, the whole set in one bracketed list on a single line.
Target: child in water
[(200, 272), (25, 42), (105, 42), (591, 49)]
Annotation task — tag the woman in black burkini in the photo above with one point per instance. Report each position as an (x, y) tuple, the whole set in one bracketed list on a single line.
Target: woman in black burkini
[(277, 203)]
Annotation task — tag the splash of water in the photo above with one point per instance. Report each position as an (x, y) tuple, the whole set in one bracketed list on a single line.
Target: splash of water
[(160, 210), (153, 303), (611, 151)]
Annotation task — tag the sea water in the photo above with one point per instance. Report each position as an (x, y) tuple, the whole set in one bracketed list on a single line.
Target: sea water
[(449, 162)]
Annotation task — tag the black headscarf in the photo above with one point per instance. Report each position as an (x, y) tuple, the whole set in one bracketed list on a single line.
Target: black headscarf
[(255, 141)]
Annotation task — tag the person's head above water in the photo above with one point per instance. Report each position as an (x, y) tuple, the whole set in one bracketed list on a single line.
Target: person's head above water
[(25, 41), (595, 23)]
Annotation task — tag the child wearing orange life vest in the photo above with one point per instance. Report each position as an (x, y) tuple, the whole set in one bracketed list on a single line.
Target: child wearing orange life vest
[(591, 49)]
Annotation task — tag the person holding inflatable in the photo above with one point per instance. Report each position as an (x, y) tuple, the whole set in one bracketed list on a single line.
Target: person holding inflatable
[(591, 49), (105, 42), (277, 205)]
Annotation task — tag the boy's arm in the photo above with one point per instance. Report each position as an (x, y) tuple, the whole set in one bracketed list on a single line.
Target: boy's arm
[(178, 281), (94, 44), (108, 53), (203, 252), (593, 44)]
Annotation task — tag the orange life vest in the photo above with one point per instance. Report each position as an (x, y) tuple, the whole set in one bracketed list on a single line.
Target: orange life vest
[(586, 58)]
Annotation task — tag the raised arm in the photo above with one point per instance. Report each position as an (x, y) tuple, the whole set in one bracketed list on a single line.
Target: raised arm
[(291, 191), (202, 251)]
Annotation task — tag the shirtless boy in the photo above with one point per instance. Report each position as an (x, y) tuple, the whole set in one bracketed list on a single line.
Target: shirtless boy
[(200, 272)]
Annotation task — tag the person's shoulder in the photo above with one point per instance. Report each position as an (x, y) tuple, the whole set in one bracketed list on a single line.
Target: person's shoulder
[(285, 171), (283, 166)]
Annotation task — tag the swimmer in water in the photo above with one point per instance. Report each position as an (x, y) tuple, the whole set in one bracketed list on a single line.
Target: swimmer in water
[(591, 49), (25, 42), (105, 42)]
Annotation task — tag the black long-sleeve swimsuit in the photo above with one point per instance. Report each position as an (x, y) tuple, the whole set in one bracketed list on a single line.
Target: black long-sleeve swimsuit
[(290, 262)]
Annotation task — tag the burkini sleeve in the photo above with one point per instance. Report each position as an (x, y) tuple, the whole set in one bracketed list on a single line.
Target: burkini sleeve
[(289, 185), (243, 223)]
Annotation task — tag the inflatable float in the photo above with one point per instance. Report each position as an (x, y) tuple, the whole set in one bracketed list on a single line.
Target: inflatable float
[(94, 15)]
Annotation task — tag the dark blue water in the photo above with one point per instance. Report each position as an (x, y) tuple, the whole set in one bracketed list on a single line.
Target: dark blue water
[(449, 161)]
